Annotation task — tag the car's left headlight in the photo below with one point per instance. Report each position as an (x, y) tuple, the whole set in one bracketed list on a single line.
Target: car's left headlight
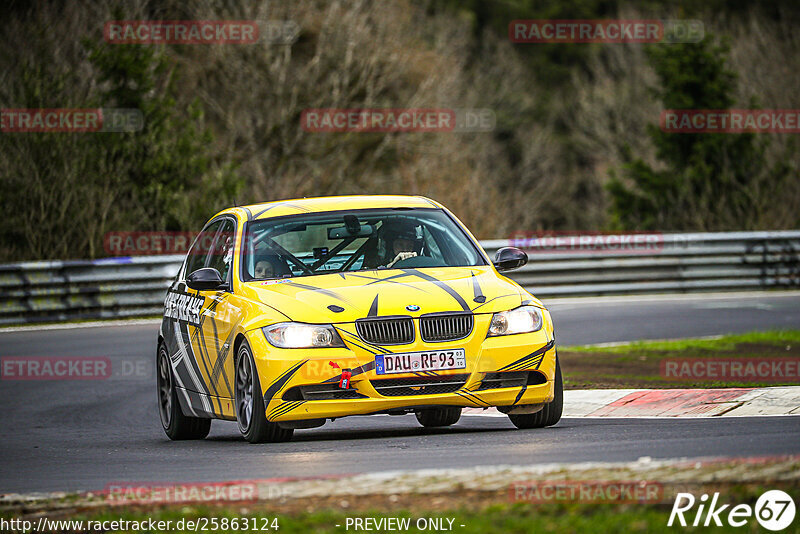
[(517, 321), (302, 336)]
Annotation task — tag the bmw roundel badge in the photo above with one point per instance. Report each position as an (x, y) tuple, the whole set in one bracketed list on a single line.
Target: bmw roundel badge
[(412, 307)]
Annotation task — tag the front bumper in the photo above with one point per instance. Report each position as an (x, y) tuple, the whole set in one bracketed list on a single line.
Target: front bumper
[(284, 372)]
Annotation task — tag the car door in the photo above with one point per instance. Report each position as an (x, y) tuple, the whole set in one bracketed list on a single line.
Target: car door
[(183, 325), (218, 320)]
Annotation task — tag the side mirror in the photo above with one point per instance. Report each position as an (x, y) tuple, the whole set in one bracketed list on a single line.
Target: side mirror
[(205, 279), (509, 258)]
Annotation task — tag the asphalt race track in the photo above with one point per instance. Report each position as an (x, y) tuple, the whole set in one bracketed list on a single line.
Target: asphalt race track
[(83, 435)]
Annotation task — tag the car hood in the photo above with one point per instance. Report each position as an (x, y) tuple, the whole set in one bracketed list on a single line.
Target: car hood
[(345, 297)]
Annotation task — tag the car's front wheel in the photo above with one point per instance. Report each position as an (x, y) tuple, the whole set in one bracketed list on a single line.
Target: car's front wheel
[(433, 417), (250, 411), (550, 414), (176, 425)]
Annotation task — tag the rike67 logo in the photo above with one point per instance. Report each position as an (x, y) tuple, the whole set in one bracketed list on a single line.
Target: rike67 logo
[(774, 510)]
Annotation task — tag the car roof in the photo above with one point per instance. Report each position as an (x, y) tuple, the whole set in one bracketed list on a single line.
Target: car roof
[(298, 206)]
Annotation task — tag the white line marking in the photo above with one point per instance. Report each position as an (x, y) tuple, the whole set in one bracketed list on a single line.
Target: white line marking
[(774, 401), (667, 340)]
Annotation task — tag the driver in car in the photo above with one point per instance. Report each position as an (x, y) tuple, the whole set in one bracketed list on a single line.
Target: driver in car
[(270, 266), (264, 269), (401, 241)]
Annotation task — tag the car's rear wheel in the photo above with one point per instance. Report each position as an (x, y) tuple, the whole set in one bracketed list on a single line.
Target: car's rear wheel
[(550, 414), (176, 425), (250, 411), (433, 417)]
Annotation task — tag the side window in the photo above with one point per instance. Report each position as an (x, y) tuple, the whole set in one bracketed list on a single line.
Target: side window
[(196, 259), (222, 253)]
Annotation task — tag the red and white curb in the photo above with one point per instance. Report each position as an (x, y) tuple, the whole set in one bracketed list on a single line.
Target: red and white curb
[(724, 402)]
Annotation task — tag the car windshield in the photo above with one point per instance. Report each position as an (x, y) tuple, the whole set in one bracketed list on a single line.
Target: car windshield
[(304, 245)]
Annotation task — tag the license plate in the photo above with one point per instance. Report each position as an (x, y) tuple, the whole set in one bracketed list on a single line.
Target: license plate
[(412, 362)]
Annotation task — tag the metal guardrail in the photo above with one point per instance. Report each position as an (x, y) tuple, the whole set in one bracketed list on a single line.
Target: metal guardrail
[(676, 263), (69, 290), (127, 287)]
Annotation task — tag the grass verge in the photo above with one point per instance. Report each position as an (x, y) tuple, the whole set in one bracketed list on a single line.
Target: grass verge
[(639, 364), (459, 515)]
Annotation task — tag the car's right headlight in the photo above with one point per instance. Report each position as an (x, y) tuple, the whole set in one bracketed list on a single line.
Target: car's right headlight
[(517, 321), (302, 336)]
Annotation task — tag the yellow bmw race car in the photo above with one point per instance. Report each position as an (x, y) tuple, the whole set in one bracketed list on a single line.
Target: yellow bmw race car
[(287, 314)]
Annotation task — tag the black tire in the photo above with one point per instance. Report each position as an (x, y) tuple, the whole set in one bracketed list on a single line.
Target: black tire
[(250, 411), (550, 414), (175, 424), (433, 417)]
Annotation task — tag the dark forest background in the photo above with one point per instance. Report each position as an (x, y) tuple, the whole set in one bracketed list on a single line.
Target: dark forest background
[(576, 144)]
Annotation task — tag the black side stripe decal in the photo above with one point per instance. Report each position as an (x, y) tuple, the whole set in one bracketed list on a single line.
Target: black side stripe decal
[(222, 357), (265, 210), (375, 280), (192, 360), (279, 204), (495, 298), (320, 290), (360, 343), (369, 366), (280, 382), (199, 338), (521, 393), (530, 359), (452, 292), (477, 291), (284, 409), (393, 281), (373, 309), (472, 397)]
